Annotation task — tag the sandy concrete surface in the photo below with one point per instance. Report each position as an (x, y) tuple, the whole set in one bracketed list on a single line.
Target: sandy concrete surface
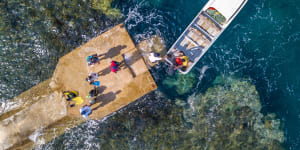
[(43, 107)]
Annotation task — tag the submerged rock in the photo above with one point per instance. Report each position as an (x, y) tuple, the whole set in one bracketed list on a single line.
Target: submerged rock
[(105, 7), (181, 83), (228, 116), (154, 44)]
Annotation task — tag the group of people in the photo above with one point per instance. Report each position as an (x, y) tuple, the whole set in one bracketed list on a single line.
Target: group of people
[(73, 96), (178, 59), (181, 60), (92, 79), (86, 110), (95, 59)]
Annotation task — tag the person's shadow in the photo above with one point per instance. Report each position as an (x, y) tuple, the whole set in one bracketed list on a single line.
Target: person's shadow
[(104, 99), (112, 52), (101, 89), (104, 72), (124, 64)]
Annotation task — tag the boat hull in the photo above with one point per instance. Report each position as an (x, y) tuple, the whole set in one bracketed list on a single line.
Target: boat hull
[(199, 36)]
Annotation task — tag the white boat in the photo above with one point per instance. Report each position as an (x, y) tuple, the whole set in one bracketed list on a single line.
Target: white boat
[(204, 30)]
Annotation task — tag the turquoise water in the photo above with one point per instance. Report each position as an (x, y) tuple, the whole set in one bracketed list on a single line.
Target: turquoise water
[(261, 45)]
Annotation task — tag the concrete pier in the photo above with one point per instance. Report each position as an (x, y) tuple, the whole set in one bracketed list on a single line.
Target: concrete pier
[(43, 108)]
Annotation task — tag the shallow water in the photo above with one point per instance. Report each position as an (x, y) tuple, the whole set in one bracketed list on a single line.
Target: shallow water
[(262, 45), (35, 34)]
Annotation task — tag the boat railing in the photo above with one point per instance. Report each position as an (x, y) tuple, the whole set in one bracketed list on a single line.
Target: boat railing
[(212, 19), (238, 10), (206, 34), (192, 53)]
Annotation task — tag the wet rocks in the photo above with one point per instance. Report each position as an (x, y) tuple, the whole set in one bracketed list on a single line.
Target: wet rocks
[(229, 114), (105, 7), (182, 84)]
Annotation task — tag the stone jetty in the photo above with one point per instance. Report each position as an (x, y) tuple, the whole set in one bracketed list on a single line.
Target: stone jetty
[(43, 113)]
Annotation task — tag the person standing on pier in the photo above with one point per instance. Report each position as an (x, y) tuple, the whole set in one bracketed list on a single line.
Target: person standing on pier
[(114, 66), (92, 77), (155, 57), (69, 95), (85, 111), (93, 93), (93, 59)]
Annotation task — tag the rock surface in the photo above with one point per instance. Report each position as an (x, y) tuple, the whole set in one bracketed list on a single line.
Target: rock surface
[(16, 129), (228, 116)]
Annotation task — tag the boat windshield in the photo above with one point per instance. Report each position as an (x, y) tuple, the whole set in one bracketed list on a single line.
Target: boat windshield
[(216, 15)]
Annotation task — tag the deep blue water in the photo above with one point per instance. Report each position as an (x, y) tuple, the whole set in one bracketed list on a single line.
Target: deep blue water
[(261, 44)]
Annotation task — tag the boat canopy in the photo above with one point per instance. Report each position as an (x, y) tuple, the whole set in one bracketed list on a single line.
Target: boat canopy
[(227, 7)]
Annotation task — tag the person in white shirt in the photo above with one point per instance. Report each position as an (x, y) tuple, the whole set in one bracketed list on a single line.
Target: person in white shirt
[(92, 77), (154, 57)]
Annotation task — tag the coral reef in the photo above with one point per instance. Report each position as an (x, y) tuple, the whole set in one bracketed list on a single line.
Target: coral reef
[(181, 83), (228, 116), (105, 7)]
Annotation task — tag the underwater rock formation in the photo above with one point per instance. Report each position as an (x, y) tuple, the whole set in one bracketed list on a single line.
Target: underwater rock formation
[(228, 116), (181, 83), (154, 44), (105, 7)]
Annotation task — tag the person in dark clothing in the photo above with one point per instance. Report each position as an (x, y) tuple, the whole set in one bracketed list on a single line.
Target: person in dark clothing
[(70, 95), (93, 93), (93, 59)]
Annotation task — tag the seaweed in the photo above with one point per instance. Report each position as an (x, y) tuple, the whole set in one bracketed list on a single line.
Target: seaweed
[(105, 7)]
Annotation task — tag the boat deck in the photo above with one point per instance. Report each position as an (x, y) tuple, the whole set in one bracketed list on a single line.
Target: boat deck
[(197, 37), (206, 27)]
